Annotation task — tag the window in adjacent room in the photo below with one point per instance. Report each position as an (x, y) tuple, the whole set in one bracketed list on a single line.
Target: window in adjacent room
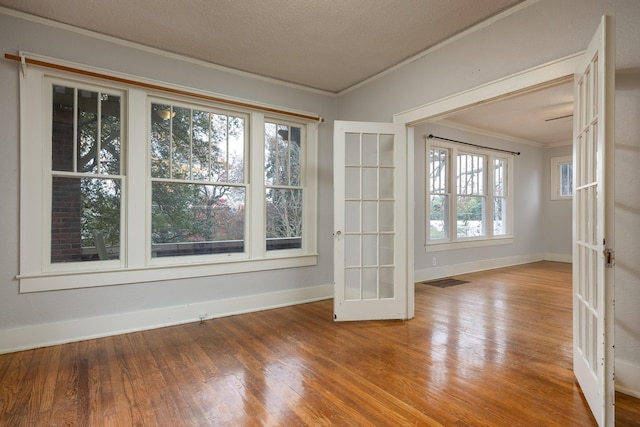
[(469, 200), (562, 178)]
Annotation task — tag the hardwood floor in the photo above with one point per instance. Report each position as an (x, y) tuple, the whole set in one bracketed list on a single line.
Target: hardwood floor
[(495, 351)]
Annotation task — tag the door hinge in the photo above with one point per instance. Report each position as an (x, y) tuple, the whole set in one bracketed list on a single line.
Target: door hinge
[(609, 257)]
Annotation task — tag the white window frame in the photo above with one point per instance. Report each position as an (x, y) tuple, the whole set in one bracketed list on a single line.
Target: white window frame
[(489, 239), (556, 176), (136, 265)]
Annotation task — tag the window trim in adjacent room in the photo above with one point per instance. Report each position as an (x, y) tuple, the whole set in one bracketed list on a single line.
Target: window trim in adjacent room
[(556, 177), (451, 239), (37, 273)]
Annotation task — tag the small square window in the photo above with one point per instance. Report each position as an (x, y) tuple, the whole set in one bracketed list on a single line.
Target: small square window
[(561, 178)]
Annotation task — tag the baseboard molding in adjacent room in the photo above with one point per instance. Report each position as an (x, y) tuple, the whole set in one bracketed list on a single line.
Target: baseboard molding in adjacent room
[(558, 257), (473, 266), (46, 334), (628, 378)]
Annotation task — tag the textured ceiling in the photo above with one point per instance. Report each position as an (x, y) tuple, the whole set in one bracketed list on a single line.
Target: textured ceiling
[(542, 117), (329, 45), (324, 44)]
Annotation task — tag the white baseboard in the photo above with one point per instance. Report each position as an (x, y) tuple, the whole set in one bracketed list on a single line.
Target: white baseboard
[(473, 266), (628, 378), (46, 334), (558, 257), (486, 264)]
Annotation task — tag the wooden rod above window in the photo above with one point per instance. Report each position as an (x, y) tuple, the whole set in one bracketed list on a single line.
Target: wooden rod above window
[(144, 85)]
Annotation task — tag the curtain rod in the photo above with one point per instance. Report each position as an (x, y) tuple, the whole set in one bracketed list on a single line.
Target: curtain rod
[(23, 60), (431, 136)]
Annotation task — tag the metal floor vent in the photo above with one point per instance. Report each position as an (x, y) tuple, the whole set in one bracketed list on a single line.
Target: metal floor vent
[(445, 282)]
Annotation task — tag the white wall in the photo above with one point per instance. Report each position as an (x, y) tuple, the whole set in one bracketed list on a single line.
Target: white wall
[(627, 234), (556, 214), (28, 320), (544, 31)]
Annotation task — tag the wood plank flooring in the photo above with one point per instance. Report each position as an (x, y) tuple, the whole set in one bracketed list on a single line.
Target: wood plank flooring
[(496, 351)]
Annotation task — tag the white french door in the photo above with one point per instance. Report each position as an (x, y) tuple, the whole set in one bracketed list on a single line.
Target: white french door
[(371, 222), (593, 278)]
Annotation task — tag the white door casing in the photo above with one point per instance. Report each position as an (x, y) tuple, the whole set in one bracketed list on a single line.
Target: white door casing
[(593, 278), (371, 222)]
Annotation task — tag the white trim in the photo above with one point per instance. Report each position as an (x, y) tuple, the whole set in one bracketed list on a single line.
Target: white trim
[(484, 132), (469, 243), (46, 334), (135, 265), (554, 181), (545, 75), (155, 51), (628, 378), (153, 273), (568, 258), (97, 81), (487, 264), (474, 266), (484, 24)]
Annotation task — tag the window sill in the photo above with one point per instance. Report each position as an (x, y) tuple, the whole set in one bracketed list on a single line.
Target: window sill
[(464, 244), (40, 282)]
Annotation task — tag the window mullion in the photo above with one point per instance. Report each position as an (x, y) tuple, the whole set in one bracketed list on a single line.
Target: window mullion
[(489, 195), (454, 170), (136, 240), (256, 197)]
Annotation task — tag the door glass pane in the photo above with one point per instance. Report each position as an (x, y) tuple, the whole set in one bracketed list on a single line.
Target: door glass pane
[(386, 216), (386, 150), (352, 251), (352, 284), (369, 217), (352, 149), (370, 250), (352, 183), (369, 283), (385, 249), (386, 283), (370, 149), (369, 183), (386, 183), (352, 217)]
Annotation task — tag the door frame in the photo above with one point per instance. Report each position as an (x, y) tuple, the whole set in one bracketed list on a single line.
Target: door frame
[(546, 75)]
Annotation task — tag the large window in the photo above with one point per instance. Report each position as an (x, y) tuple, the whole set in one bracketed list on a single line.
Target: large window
[(118, 183), (86, 176), (198, 184), (283, 171), (469, 197)]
